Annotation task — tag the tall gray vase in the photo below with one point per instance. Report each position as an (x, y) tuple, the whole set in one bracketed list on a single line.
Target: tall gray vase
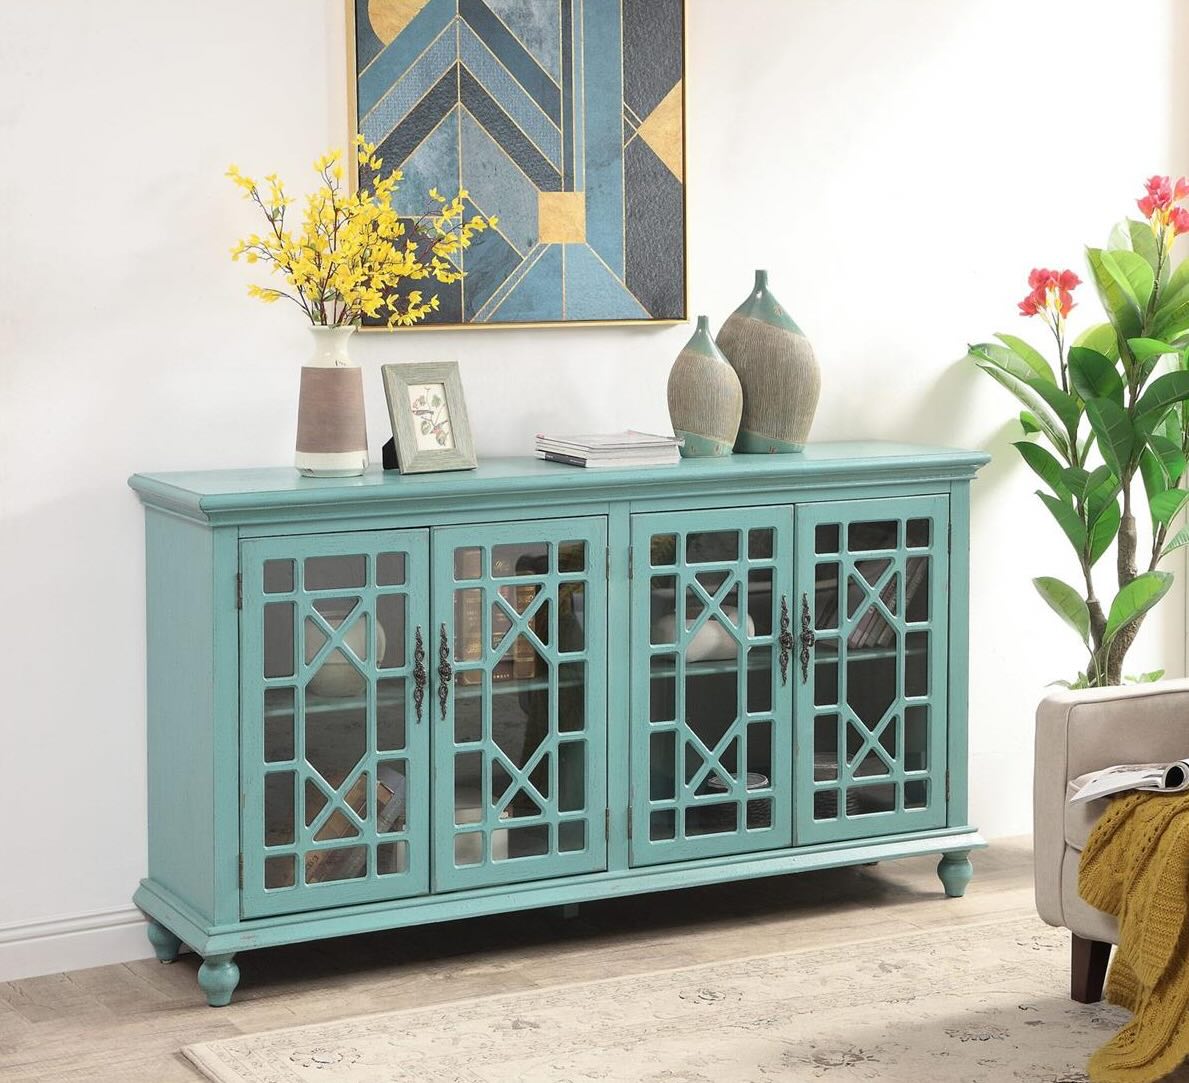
[(778, 370), (705, 399)]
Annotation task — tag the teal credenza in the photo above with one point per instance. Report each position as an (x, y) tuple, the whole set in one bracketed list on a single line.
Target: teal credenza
[(384, 701)]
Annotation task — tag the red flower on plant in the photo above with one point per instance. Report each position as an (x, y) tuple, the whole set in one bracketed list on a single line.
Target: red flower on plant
[(1051, 294), (1033, 303), (1158, 206)]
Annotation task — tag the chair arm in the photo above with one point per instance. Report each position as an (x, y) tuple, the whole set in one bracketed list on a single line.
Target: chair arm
[(1088, 730)]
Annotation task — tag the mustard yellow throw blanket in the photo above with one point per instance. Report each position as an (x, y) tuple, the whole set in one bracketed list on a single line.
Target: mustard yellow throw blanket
[(1136, 867)]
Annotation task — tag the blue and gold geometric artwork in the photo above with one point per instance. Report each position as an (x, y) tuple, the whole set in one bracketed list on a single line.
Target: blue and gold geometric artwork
[(564, 118)]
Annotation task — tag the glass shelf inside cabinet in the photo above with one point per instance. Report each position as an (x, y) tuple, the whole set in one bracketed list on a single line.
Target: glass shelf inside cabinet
[(515, 684), (395, 697), (665, 666), (826, 652), (387, 696)]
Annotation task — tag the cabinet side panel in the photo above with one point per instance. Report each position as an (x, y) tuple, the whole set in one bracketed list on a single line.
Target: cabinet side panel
[(959, 712), (181, 704)]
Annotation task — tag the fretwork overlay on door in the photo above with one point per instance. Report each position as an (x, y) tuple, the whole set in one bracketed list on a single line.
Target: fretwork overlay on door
[(335, 720), (871, 625), (519, 653), (711, 683)]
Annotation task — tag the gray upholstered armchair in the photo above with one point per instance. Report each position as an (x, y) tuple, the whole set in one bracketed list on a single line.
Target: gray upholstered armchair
[(1079, 732)]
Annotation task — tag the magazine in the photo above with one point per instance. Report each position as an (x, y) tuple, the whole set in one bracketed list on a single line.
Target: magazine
[(615, 449), (1150, 777)]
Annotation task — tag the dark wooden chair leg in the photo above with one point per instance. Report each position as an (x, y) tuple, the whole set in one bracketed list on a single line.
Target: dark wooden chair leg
[(1088, 974)]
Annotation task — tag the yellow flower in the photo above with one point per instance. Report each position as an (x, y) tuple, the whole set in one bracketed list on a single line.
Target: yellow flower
[(351, 253)]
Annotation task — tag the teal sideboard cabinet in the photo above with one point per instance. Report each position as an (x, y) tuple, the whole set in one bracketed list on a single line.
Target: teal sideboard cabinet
[(385, 701)]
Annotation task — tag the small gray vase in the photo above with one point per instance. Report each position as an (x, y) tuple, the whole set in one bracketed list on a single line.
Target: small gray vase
[(705, 398), (778, 370)]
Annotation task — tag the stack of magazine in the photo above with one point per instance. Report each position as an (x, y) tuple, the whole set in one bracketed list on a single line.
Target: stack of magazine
[(615, 449)]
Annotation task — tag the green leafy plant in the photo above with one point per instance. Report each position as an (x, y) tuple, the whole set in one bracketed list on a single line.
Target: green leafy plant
[(1113, 409)]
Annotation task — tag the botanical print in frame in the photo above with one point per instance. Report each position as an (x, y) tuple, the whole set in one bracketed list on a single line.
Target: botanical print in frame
[(431, 416), (430, 427), (563, 118)]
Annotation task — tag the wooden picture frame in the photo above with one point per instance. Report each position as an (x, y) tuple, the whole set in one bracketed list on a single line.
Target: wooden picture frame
[(430, 427)]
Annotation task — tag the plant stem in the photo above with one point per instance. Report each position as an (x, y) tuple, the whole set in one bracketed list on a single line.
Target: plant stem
[(1154, 300), (1058, 331), (1158, 539), (1127, 545), (1127, 540), (278, 232)]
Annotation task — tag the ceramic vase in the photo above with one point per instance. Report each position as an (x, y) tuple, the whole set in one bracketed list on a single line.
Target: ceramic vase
[(331, 428), (705, 398), (778, 370)]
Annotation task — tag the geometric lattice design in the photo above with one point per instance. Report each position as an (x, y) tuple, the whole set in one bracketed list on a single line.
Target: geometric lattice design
[(873, 694), (334, 755), (564, 119), (711, 733), (520, 748)]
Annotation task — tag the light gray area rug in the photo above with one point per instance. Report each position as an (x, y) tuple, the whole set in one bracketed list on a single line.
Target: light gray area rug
[(968, 1004)]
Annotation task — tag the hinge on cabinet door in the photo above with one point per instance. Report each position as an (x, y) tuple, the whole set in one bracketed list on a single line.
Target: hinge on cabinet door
[(241, 871), (607, 823), (631, 562), (608, 562), (947, 787), (629, 822), (949, 538), (239, 590)]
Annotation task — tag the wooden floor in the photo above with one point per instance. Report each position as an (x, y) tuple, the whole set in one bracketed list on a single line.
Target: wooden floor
[(127, 1023)]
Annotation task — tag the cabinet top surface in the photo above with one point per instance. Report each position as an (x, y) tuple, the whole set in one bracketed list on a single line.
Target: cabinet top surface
[(206, 493)]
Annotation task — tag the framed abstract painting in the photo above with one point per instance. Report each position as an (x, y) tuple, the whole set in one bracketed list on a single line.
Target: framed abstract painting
[(565, 119)]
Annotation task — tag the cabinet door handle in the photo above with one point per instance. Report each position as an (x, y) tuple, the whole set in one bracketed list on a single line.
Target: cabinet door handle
[(785, 639), (445, 671), (419, 675), (808, 639)]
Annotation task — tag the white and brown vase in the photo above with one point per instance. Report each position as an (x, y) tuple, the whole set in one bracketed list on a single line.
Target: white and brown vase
[(331, 427), (705, 400), (778, 370)]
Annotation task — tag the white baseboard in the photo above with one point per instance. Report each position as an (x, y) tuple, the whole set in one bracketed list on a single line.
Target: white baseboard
[(74, 942)]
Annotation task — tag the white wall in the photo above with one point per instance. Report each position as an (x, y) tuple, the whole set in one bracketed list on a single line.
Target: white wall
[(899, 165)]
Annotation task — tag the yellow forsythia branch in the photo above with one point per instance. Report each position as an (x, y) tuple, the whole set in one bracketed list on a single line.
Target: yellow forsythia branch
[(351, 255)]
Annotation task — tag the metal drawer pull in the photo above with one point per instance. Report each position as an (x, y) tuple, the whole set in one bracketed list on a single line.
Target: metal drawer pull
[(445, 671), (420, 677), (785, 640), (808, 639)]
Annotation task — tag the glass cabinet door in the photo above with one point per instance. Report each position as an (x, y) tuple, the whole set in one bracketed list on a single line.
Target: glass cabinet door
[(519, 701), (711, 683), (871, 624), (334, 637)]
